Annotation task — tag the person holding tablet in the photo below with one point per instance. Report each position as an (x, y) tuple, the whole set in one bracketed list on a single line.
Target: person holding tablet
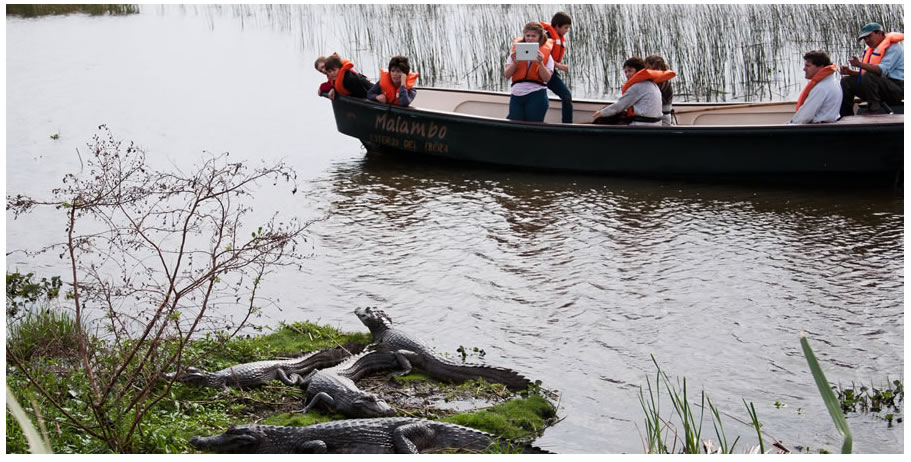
[(528, 90)]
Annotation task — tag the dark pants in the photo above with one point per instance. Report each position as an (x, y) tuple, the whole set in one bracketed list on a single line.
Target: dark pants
[(556, 85), (874, 89), (529, 108)]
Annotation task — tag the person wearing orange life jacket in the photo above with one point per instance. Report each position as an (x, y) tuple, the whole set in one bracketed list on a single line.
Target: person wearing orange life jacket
[(396, 85), (320, 66), (556, 30), (528, 90), (820, 100), (345, 80), (881, 78), (640, 103)]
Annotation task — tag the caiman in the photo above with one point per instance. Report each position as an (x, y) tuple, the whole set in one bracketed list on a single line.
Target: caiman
[(390, 435), (258, 373), (334, 387), (413, 352)]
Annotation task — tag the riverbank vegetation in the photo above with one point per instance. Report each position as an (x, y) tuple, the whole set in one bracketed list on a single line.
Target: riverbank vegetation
[(30, 11)]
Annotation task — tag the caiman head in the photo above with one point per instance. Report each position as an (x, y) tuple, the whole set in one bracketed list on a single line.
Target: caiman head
[(236, 439), (375, 319), (200, 378), (370, 405)]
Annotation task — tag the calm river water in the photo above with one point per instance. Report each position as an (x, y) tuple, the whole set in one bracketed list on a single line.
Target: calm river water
[(574, 280)]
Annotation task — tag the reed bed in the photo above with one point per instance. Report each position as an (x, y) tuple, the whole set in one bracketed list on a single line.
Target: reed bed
[(720, 52)]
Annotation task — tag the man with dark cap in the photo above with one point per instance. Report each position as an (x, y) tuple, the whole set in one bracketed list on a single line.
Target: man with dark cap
[(880, 80)]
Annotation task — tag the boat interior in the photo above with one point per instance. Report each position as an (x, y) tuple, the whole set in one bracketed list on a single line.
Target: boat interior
[(496, 105)]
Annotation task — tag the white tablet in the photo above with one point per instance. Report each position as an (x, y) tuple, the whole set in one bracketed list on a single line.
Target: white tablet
[(527, 51)]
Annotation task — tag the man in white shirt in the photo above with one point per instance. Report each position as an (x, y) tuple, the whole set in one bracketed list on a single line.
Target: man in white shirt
[(820, 100)]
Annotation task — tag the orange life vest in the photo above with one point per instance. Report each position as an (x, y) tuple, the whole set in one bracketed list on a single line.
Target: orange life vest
[(389, 90), (346, 65), (527, 71), (559, 42), (872, 56), (646, 74), (820, 74)]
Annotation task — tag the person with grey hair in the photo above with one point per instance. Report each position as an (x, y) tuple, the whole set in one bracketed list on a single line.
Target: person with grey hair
[(820, 100), (880, 80)]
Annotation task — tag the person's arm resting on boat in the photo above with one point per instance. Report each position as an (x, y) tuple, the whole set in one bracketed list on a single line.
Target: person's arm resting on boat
[(376, 94), (406, 95), (625, 102)]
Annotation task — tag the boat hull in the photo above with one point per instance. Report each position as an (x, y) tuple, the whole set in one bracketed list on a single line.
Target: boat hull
[(779, 149)]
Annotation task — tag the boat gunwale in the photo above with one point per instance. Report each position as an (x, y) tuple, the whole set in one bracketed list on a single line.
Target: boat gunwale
[(596, 128)]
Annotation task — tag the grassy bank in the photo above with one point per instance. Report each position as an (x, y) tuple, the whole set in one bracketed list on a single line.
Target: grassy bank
[(30, 11), (191, 411)]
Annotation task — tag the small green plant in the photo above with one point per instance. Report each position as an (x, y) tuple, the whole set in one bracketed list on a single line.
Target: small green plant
[(22, 290), (828, 396), (479, 352), (55, 136)]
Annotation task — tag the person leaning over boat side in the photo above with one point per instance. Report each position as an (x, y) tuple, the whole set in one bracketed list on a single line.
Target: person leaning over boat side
[(528, 100), (667, 91), (345, 80), (556, 30), (320, 66), (640, 103), (396, 85), (820, 100), (881, 78)]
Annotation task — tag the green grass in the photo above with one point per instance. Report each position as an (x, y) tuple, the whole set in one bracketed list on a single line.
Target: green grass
[(520, 419), (55, 9)]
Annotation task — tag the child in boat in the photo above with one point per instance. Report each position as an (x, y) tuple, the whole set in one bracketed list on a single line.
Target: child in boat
[(556, 31), (528, 100), (396, 85), (667, 92), (345, 80), (641, 100), (320, 66)]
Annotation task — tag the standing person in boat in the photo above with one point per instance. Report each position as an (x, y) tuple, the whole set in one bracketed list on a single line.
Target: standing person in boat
[(656, 62), (529, 78), (345, 80), (556, 30), (396, 85), (881, 78), (640, 103), (820, 100)]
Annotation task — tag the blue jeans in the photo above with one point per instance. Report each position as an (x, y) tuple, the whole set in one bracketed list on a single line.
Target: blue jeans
[(556, 85), (529, 108)]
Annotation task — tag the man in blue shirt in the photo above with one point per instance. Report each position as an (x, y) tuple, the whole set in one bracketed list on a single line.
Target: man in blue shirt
[(881, 78)]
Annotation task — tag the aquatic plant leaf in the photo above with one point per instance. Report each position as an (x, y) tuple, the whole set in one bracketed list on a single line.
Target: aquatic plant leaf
[(827, 396)]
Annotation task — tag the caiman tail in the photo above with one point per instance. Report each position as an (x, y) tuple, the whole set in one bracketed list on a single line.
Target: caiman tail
[(448, 371)]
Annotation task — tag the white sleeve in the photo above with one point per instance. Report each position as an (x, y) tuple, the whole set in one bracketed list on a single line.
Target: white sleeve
[(810, 107)]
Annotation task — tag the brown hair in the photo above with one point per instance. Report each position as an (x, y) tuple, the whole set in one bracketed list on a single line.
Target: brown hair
[(655, 62), (635, 62), (400, 62), (333, 62), (321, 59), (560, 19), (818, 58), (536, 26)]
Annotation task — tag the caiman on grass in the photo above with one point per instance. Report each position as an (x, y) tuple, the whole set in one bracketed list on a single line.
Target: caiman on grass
[(414, 352), (258, 373), (393, 435), (335, 388)]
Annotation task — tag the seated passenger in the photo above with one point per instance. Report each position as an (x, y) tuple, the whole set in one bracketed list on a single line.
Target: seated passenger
[(528, 101), (667, 92), (881, 78), (345, 80), (396, 85), (641, 100), (820, 100)]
